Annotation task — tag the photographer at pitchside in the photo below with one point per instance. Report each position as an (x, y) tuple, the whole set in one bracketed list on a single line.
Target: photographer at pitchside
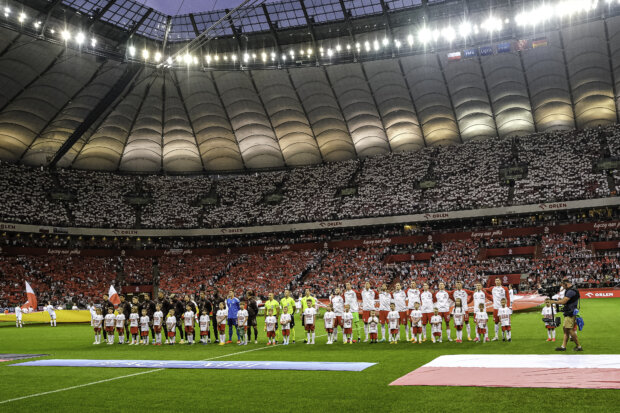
[(570, 303)]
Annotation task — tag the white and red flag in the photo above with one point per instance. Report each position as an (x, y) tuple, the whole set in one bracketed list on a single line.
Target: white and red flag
[(114, 298), (564, 371), (32, 298)]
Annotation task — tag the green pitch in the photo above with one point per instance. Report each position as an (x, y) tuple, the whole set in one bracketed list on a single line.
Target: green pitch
[(299, 391)]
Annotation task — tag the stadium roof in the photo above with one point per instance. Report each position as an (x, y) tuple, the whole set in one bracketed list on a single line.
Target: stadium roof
[(88, 105)]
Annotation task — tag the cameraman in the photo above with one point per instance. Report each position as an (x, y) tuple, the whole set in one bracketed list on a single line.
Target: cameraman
[(570, 303)]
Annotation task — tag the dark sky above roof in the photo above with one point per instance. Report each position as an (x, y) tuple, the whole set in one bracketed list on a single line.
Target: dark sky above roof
[(174, 7)]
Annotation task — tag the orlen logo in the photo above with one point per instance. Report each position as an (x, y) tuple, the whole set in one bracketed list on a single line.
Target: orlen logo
[(437, 215), (125, 232), (330, 224), (553, 206), (231, 230), (7, 226), (594, 295)]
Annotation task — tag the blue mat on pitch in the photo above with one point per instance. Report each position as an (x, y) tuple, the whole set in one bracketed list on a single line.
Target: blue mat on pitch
[(184, 364)]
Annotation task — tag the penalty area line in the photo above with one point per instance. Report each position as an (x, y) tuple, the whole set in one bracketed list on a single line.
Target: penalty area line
[(126, 376)]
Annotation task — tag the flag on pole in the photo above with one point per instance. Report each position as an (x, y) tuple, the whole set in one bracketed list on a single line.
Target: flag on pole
[(114, 298), (32, 299)]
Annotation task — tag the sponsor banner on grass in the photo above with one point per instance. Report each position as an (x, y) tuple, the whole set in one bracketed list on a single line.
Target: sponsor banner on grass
[(599, 293), (189, 364), (307, 226), (518, 370)]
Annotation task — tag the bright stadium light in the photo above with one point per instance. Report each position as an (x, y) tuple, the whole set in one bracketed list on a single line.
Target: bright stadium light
[(448, 34), (216, 58), (385, 41), (179, 58), (246, 57), (253, 56), (397, 43), (65, 35), (273, 56), (157, 57), (338, 48), (208, 58), (464, 29), (425, 35), (436, 34), (93, 42), (7, 11), (410, 40), (284, 58), (309, 52), (132, 51), (234, 58), (330, 52), (263, 56), (79, 38), (145, 54), (492, 24), (37, 24), (348, 46), (22, 17), (358, 46), (188, 59), (375, 44)]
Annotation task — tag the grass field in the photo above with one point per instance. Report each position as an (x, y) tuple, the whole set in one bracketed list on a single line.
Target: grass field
[(253, 390)]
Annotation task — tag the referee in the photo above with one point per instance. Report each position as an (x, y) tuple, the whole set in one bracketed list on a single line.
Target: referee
[(289, 302)]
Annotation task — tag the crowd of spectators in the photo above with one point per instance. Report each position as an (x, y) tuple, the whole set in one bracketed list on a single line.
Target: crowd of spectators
[(79, 279), (559, 168)]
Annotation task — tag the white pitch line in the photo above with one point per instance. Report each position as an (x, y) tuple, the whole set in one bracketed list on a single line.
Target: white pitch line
[(128, 375)]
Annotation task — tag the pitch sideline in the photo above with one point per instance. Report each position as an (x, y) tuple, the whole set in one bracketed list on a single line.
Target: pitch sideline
[(128, 375)]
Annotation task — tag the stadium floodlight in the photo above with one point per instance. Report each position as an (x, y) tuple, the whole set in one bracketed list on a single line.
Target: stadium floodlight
[(194, 60), (234, 57), (208, 58), (216, 58), (79, 38), (385, 41), (358, 46), (492, 24), (52, 31), (338, 48), (179, 58), (348, 46), (65, 35), (145, 54), (273, 56), (367, 46), (397, 43), (37, 24), (263, 56), (448, 34), (330, 52), (132, 51), (436, 34), (246, 57), (425, 35), (253, 56), (375, 44), (226, 58), (292, 53), (309, 52), (410, 40), (93, 42), (301, 52), (157, 57), (188, 59), (465, 29), (284, 58), (7, 11), (21, 17)]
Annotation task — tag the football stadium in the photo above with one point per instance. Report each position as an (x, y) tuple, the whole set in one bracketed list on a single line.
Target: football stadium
[(309, 205)]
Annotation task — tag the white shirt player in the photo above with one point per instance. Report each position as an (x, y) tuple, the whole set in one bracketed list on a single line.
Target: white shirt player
[(443, 301), (481, 319), (133, 319), (309, 314), (413, 296), (373, 325), (203, 322), (171, 323), (462, 294), (328, 319), (93, 313), (426, 298), (436, 324), (50, 309), (97, 320), (400, 301), (458, 314), (120, 320), (393, 318), (144, 323), (498, 294), (480, 297), (270, 323), (188, 318), (416, 315), (338, 304), (18, 313), (285, 321), (110, 320), (158, 318), (385, 299), (504, 316), (350, 297), (368, 299), (347, 320), (223, 314), (242, 318), (511, 294)]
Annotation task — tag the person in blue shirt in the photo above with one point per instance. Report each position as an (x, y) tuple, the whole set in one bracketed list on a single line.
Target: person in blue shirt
[(232, 305)]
